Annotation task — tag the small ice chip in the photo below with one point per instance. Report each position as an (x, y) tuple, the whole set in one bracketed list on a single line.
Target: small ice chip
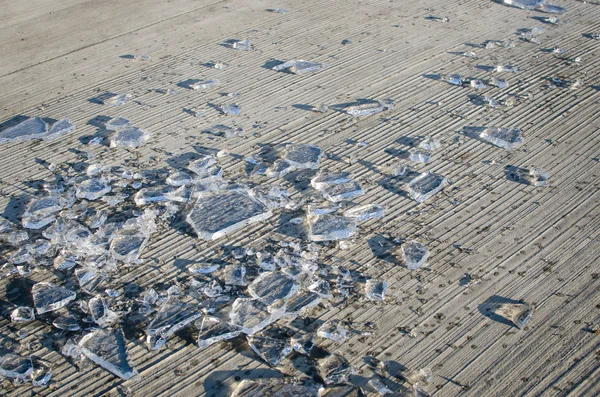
[(507, 138), (424, 186), (375, 289), (204, 84), (117, 100), (414, 254), (333, 330)]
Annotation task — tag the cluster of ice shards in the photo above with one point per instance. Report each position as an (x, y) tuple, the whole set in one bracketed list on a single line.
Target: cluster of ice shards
[(36, 128)]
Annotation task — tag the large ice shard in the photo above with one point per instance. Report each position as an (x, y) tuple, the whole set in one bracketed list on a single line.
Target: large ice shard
[(106, 347), (48, 297), (424, 186), (506, 138), (330, 227), (33, 128), (172, 316)]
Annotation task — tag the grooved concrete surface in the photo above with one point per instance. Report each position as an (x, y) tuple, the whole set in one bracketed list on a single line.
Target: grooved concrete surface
[(536, 244)]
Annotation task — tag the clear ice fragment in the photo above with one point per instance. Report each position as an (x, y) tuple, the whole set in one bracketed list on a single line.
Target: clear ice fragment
[(15, 366), (225, 130), (330, 227), (219, 213), (279, 169), (66, 323), (170, 318), (242, 45), (477, 84), (39, 212), (40, 375), (270, 287), (375, 289), (303, 156), (33, 128), (48, 297), (303, 343), (272, 350), (277, 10), (22, 314), (365, 212), (414, 254), (500, 83), (203, 268), (454, 79), (333, 330), (420, 156), (380, 387), (539, 177), (424, 186), (117, 124), (117, 100), (342, 191), (251, 315), (61, 127), (335, 369), (231, 109), (506, 69), (106, 347), (300, 67), (92, 189), (100, 312), (277, 387), (326, 178), (205, 84), (366, 109), (506, 138), (129, 137), (213, 330)]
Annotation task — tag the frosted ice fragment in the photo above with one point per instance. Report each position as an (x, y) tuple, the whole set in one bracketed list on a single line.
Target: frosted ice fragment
[(414, 254)]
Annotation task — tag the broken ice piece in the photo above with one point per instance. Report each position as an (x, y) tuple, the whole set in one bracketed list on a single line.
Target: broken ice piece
[(380, 387), (538, 177), (251, 315), (234, 275), (39, 212), (279, 168), (225, 130), (29, 129), (231, 109), (333, 330), (15, 366), (170, 318), (477, 84), (342, 191), (117, 124), (424, 186), (420, 156), (61, 127), (106, 347), (454, 79), (277, 10), (419, 391), (300, 67), (270, 287), (66, 323), (219, 213), (89, 278), (92, 189), (272, 350), (302, 343), (329, 227), (375, 289), (335, 369), (242, 45), (129, 241), (414, 254), (203, 268), (518, 313), (507, 138), (130, 137), (500, 83), (303, 156), (369, 108), (325, 178), (323, 108), (422, 376), (48, 297), (277, 387), (117, 100), (213, 330), (506, 69), (22, 314), (365, 212), (178, 178), (40, 375), (204, 84), (397, 169), (100, 312)]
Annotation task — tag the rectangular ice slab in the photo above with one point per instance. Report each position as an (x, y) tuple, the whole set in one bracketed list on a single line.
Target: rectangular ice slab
[(300, 67), (425, 186), (507, 138), (219, 213), (330, 227), (366, 109)]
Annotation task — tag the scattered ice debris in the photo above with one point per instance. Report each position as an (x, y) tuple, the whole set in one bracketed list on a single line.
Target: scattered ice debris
[(216, 214), (129, 137), (172, 316), (538, 5), (117, 100), (272, 350), (117, 124), (365, 212), (369, 108), (507, 138), (375, 289), (106, 348), (518, 313), (277, 387), (204, 84), (22, 314), (424, 186), (538, 177), (300, 67), (333, 330), (242, 45), (36, 128), (48, 297), (330, 227), (231, 109), (380, 387), (414, 254), (335, 369)]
